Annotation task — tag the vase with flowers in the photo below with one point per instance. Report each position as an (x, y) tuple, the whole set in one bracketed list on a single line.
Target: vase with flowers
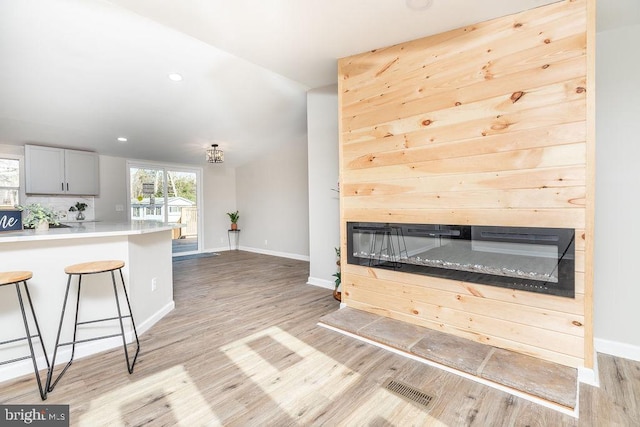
[(80, 208)]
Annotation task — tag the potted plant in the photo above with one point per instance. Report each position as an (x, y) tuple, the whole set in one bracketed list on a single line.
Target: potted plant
[(38, 216), (336, 294), (234, 216), (79, 207)]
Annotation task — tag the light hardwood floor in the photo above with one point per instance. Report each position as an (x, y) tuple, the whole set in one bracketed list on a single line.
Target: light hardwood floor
[(242, 349)]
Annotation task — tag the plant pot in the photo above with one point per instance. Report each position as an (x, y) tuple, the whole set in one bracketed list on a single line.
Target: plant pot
[(42, 226), (80, 216), (234, 226), (337, 295)]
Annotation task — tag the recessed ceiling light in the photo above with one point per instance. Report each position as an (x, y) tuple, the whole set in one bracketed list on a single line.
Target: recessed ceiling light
[(122, 139), (175, 77)]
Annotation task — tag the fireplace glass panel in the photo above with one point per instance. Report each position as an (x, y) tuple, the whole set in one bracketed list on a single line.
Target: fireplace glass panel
[(528, 258)]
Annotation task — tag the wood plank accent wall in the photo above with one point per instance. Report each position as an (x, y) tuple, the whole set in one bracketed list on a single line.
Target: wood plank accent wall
[(485, 125)]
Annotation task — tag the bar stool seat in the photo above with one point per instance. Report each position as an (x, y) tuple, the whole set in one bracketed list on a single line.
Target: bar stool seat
[(16, 278), (94, 267), (11, 277)]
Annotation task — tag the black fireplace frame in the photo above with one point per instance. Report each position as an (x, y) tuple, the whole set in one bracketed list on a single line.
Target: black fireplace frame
[(563, 238)]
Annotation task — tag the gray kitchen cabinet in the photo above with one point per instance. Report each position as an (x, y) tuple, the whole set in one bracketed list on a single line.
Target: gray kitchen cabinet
[(51, 170)]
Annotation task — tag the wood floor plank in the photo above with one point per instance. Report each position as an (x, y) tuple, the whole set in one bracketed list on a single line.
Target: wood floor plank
[(242, 348)]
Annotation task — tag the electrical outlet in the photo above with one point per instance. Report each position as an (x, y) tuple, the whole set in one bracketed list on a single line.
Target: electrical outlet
[(222, 240), (154, 284), (119, 208), (265, 242)]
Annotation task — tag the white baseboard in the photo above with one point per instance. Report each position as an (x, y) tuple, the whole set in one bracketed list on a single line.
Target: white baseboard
[(590, 376), (25, 367), (322, 283), (618, 349), (219, 249), (155, 318), (276, 253)]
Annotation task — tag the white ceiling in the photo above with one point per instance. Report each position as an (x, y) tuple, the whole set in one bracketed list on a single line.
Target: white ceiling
[(80, 73)]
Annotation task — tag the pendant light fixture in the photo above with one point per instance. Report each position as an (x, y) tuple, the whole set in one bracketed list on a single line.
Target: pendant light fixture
[(215, 155)]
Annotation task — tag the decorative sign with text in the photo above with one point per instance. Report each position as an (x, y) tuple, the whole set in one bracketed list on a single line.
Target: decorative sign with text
[(10, 220), (148, 188)]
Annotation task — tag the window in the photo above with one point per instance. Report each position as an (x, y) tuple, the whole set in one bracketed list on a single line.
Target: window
[(153, 210), (153, 187), (9, 182)]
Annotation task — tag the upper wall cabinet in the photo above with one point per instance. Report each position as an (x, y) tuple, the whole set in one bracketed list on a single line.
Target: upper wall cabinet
[(59, 171)]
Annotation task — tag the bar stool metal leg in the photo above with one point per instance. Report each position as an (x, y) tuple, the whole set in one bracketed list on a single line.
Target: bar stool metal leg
[(55, 349), (135, 332), (43, 390), (17, 278)]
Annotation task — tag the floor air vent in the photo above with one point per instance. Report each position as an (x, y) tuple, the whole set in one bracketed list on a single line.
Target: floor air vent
[(408, 392)]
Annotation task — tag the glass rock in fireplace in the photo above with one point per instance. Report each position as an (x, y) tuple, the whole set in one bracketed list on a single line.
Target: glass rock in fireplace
[(527, 258)]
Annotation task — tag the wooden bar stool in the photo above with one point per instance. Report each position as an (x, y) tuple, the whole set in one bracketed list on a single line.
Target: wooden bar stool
[(80, 270), (16, 278)]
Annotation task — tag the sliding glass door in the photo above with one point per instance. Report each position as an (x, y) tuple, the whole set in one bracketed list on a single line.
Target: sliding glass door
[(167, 194)]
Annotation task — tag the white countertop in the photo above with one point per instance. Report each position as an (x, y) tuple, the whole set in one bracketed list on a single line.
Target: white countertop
[(88, 229)]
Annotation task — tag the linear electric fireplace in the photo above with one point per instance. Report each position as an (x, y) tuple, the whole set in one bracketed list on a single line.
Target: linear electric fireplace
[(526, 258)]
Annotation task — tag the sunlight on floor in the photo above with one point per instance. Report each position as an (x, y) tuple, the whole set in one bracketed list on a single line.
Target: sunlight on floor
[(173, 386), (305, 388), (302, 381)]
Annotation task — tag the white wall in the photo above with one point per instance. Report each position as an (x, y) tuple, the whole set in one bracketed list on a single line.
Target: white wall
[(113, 189), (14, 150), (219, 193), (273, 200), (324, 202), (617, 227)]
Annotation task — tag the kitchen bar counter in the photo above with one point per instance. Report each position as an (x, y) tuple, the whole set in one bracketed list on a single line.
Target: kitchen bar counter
[(77, 230), (145, 247)]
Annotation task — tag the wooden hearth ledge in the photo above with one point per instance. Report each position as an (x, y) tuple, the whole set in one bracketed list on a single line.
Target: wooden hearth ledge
[(547, 383)]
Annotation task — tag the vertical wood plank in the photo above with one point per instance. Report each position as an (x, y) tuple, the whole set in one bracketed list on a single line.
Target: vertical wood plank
[(589, 349)]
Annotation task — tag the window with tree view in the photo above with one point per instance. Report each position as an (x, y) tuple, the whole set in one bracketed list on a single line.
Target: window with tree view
[(9, 182), (168, 195)]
